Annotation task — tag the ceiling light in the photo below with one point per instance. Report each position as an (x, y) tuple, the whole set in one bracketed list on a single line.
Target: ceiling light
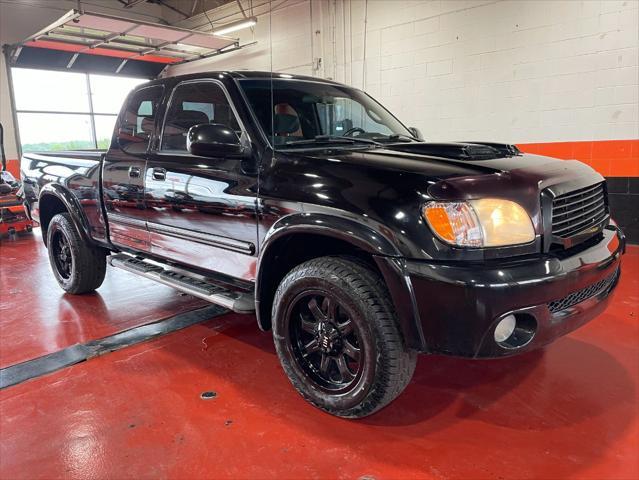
[(234, 26)]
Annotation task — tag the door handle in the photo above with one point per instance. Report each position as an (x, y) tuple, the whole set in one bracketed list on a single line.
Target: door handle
[(159, 174), (134, 172)]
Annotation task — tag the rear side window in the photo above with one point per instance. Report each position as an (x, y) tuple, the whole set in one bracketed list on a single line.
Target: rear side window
[(138, 119), (193, 104)]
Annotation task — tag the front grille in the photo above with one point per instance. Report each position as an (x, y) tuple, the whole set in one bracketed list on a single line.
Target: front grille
[(583, 294), (576, 211)]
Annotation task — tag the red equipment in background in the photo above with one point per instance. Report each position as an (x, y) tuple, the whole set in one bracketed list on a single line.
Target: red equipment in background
[(13, 218)]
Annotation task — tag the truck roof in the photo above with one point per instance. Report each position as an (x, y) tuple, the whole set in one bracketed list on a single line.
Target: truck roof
[(240, 74)]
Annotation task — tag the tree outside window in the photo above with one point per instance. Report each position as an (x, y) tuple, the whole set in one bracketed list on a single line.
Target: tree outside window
[(67, 110)]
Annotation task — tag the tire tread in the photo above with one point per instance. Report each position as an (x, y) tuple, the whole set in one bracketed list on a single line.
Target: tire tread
[(395, 363), (90, 262)]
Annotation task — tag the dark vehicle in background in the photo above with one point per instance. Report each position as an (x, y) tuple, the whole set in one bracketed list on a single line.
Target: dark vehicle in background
[(357, 242)]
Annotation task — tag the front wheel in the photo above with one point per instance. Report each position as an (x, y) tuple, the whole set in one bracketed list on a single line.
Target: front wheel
[(337, 338), (77, 266)]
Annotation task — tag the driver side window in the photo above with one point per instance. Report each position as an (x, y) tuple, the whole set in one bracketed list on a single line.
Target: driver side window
[(193, 104)]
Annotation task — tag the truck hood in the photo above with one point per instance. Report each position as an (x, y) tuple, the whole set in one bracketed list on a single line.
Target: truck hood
[(464, 171), (468, 170), (458, 158), (506, 170)]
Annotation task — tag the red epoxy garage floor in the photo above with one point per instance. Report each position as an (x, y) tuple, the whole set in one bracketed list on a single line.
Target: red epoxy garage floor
[(36, 318), (570, 410)]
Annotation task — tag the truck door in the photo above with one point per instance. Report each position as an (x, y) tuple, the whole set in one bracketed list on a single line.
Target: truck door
[(124, 167), (201, 211)]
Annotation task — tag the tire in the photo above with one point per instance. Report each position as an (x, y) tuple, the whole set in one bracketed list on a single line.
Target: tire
[(339, 308), (77, 266)]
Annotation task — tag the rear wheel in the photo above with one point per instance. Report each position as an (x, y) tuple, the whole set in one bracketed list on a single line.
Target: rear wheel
[(336, 335), (77, 266)]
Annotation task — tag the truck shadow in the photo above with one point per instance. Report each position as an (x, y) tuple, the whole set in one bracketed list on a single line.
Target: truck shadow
[(569, 392), (550, 388)]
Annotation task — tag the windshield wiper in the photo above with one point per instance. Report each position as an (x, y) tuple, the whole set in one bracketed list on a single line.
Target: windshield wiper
[(395, 137), (332, 139)]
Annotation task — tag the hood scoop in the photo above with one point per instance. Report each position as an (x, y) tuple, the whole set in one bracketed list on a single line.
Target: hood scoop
[(459, 151)]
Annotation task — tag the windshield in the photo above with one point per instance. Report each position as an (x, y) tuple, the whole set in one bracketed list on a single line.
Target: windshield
[(301, 112)]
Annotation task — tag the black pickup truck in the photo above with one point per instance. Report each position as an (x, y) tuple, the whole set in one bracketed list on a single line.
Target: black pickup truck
[(358, 243)]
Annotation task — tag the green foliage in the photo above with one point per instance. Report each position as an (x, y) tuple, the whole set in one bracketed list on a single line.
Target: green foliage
[(103, 143)]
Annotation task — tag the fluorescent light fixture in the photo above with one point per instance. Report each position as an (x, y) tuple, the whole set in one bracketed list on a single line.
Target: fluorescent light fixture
[(234, 26)]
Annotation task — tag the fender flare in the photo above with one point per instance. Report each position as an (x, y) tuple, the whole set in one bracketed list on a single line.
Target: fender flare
[(72, 205), (343, 228), (385, 254), (349, 230)]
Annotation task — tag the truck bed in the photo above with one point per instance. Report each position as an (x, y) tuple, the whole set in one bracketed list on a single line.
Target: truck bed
[(75, 171)]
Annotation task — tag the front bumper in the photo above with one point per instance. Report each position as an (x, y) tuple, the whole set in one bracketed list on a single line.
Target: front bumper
[(459, 305)]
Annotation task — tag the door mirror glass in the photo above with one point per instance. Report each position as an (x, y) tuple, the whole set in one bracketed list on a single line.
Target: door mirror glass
[(214, 140)]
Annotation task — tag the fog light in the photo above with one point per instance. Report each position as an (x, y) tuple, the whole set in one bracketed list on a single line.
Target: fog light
[(505, 328)]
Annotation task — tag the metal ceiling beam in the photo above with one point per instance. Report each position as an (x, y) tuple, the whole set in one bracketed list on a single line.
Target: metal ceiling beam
[(89, 36), (194, 6), (121, 66), (239, 4), (70, 15), (170, 51), (73, 59), (171, 7), (118, 41), (131, 3)]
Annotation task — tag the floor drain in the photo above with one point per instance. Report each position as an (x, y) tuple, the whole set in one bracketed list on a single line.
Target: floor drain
[(208, 395)]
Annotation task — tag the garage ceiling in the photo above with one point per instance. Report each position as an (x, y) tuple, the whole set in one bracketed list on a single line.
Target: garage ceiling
[(111, 36), (185, 8), (101, 43)]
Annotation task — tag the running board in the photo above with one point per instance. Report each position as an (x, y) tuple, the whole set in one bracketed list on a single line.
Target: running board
[(239, 302)]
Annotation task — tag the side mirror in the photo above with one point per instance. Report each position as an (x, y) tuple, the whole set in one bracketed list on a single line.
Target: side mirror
[(416, 133), (214, 140)]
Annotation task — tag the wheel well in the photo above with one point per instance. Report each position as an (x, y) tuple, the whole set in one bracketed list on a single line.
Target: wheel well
[(49, 206), (292, 250)]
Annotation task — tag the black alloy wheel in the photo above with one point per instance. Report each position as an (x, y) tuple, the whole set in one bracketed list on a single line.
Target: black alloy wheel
[(61, 251), (325, 341), (78, 265), (337, 336)]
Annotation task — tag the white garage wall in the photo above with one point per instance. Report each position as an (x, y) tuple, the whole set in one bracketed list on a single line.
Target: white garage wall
[(516, 71), (283, 35), (513, 71)]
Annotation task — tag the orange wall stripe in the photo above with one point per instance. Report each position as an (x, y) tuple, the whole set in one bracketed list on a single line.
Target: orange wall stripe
[(611, 158)]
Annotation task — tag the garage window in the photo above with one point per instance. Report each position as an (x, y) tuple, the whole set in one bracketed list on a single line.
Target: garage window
[(67, 110)]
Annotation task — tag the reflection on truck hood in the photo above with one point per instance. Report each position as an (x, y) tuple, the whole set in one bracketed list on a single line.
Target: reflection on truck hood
[(441, 160)]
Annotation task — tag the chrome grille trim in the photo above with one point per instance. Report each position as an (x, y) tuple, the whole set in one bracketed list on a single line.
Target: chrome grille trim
[(577, 211)]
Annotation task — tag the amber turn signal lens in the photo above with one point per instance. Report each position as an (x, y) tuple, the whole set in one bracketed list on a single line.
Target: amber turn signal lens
[(438, 220), (454, 222)]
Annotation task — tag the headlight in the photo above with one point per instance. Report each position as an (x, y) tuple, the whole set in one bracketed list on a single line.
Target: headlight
[(488, 222)]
